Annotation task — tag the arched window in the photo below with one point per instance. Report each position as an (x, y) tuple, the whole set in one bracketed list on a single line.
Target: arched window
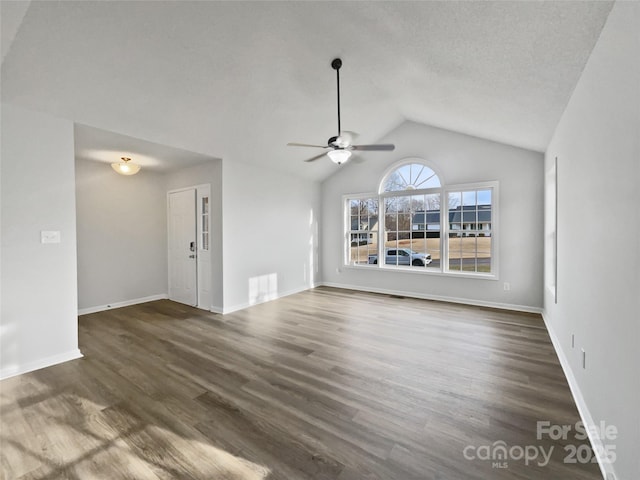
[(416, 222), (410, 176)]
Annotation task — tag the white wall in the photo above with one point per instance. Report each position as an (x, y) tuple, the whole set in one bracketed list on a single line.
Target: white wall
[(211, 173), (597, 143), (122, 236), (38, 325), (459, 159), (270, 222)]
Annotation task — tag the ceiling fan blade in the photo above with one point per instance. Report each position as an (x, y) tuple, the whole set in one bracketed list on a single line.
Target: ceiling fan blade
[(293, 144), (317, 157), (381, 147)]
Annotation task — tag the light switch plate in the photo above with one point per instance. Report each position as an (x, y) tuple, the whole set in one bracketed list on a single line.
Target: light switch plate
[(50, 236)]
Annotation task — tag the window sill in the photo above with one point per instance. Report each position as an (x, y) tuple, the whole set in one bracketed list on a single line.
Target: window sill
[(424, 271)]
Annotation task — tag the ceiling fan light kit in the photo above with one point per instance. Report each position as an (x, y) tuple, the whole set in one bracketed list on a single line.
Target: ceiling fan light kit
[(339, 147), (339, 156)]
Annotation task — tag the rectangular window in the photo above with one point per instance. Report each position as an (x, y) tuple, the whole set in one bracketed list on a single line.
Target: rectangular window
[(470, 217), (412, 225), (205, 224), (362, 231)]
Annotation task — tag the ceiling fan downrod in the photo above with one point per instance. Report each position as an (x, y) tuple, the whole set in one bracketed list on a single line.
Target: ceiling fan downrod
[(336, 64), (339, 149)]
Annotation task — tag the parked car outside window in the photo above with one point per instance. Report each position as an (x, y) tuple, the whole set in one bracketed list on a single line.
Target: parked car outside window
[(403, 256)]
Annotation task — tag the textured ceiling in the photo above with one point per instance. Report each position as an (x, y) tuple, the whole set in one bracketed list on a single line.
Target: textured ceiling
[(238, 80)]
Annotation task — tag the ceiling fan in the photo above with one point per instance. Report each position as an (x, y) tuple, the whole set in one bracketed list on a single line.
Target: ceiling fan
[(339, 147)]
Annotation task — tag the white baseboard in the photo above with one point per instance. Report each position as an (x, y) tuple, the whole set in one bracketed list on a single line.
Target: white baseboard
[(13, 370), (606, 467), (242, 306), (126, 303), (441, 298)]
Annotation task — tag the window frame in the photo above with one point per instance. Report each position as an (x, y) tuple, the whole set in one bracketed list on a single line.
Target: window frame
[(205, 206), (444, 190), (472, 187), (346, 199), (382, 222), (408, 161)]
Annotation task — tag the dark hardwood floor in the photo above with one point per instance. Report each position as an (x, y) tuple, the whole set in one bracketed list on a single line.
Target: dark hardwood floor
[(325, 384)]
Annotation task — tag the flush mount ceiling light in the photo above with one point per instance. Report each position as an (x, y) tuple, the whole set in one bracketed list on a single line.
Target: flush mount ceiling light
[(126, 167)]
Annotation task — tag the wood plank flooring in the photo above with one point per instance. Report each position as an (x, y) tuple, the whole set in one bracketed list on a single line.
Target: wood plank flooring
[(325, 384)]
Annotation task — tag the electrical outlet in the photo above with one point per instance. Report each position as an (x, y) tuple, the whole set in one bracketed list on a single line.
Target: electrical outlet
[(50, 236), (584, 358), (507, 286)]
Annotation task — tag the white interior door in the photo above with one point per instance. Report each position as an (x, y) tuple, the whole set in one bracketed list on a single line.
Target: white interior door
[(183, 285)]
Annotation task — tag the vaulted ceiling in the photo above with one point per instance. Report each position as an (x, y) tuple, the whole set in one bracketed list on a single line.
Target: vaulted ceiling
[(238, 80)]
